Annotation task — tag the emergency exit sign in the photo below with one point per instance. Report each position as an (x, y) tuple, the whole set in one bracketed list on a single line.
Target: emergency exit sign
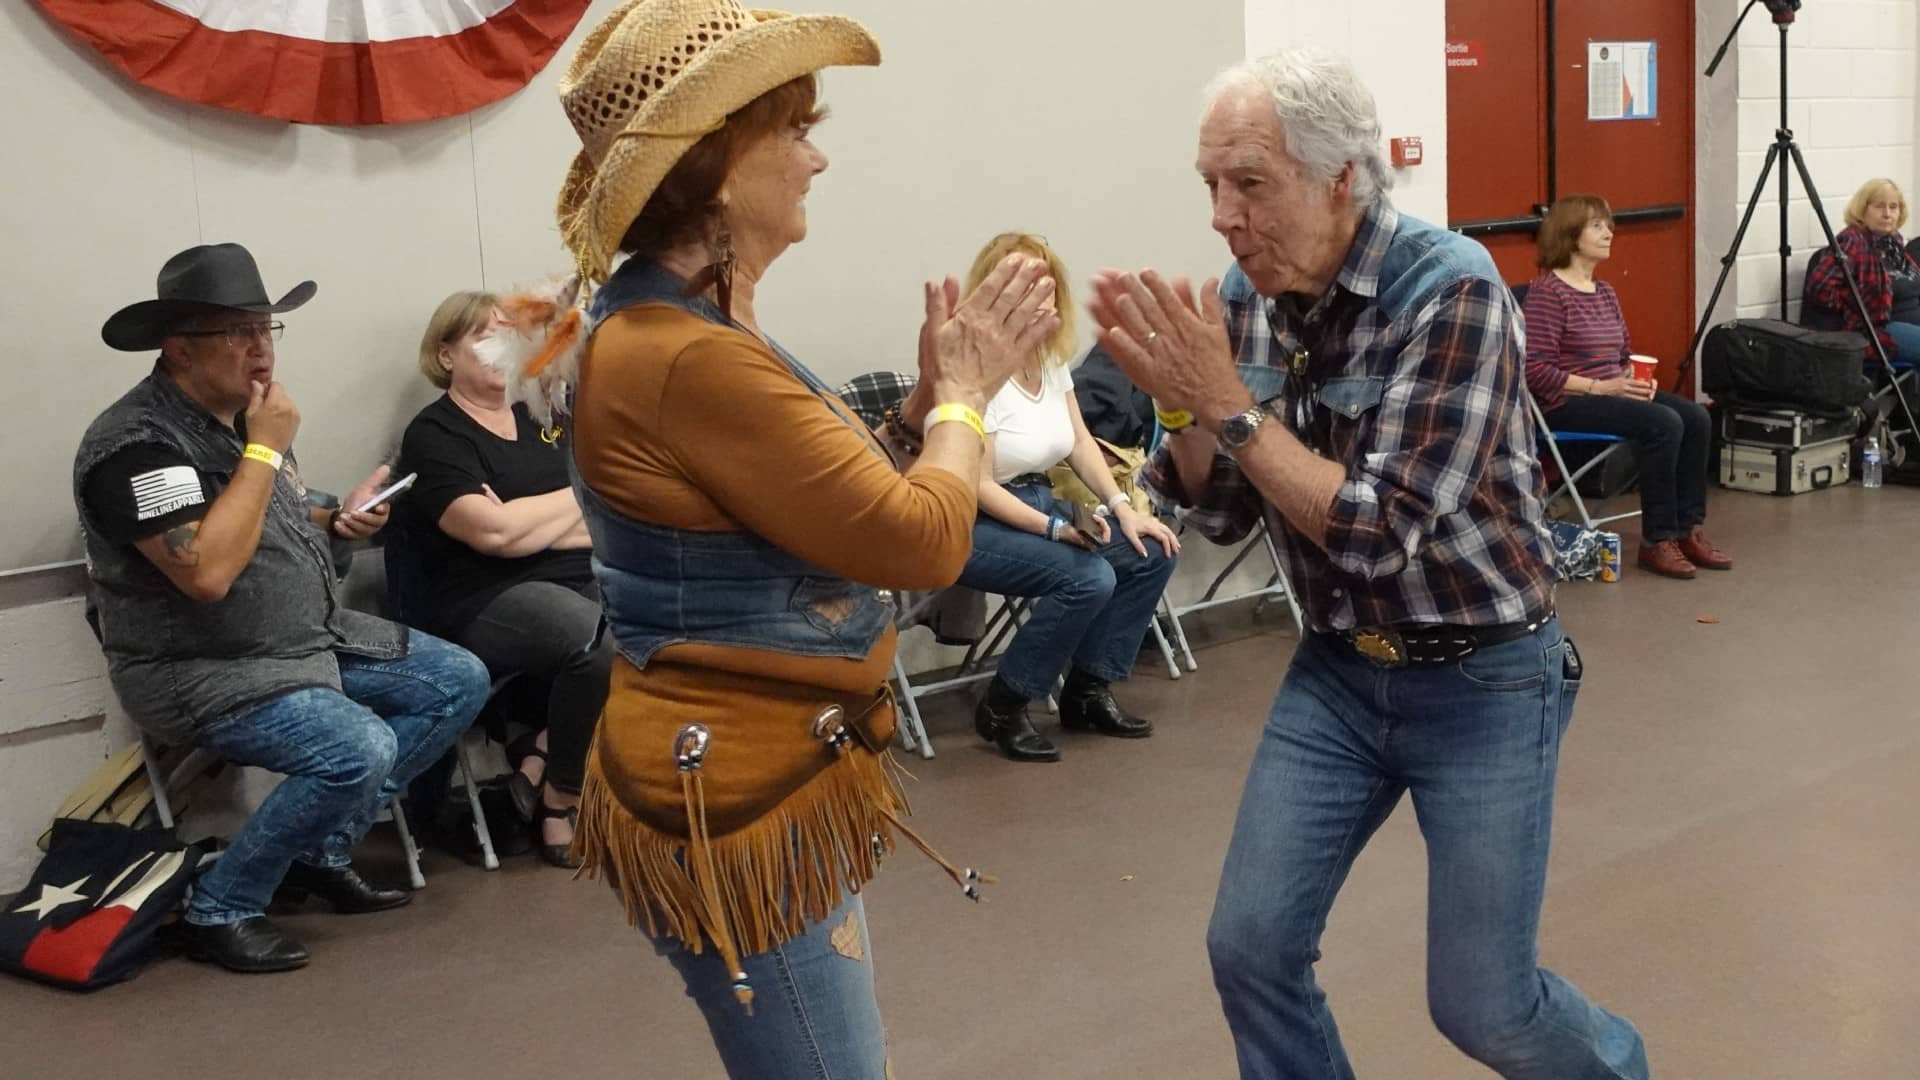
[(1463, 54)]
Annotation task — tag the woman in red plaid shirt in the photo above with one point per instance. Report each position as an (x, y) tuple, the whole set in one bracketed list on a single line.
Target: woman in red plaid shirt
[(1888, 275)]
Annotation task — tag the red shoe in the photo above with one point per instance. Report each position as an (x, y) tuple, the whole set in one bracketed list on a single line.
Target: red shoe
[(1665, 558), (1700, 551)]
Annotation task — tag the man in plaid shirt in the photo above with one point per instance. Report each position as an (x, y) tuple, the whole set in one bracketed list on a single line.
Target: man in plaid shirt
[(1377, 420)]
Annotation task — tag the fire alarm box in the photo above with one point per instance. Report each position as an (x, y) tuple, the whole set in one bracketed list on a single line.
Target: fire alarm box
[(1406, 151)]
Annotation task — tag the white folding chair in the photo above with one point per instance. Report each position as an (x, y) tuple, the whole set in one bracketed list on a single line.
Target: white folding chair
[(974, 667), (1545, 434), (1276, 588), (367, 589), (1551, 439), (197, 761)]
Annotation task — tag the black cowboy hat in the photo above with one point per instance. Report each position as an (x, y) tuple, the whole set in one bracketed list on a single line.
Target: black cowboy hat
[(198, 280)]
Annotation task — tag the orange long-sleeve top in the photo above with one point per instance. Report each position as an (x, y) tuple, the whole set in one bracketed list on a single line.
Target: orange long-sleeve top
[(683, 423)]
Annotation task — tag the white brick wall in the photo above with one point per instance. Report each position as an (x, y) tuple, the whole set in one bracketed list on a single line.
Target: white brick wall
[(1851, 106)]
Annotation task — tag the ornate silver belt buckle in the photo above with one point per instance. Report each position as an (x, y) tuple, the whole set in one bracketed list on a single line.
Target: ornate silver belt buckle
[(1381, 646)]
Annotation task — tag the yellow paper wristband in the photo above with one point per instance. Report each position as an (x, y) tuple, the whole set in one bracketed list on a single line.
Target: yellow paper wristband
[(1173, 421), (264, 454), (952, 410)]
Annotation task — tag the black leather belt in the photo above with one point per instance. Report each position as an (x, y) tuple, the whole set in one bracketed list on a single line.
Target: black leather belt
[(1406, 646), (1029, 479)]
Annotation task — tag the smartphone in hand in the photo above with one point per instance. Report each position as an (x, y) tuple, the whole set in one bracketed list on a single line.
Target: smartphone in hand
[(388, 494)]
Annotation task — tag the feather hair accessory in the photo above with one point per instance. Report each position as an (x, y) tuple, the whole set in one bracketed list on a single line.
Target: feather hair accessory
[(537, 346)]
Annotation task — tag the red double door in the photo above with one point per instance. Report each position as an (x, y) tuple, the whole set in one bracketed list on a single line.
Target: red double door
[(1525, 82)]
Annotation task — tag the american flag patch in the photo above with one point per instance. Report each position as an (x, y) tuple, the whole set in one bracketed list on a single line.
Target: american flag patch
[(163, 491)]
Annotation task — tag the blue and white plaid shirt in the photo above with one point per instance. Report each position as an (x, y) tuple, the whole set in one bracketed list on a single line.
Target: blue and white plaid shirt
[(1410, 372)]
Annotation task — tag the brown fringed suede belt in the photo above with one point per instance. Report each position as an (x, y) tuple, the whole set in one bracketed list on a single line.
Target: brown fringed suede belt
[(743, 829)]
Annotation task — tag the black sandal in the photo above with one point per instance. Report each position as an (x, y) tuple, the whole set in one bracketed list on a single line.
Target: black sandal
[(525, 793), (559, 855)]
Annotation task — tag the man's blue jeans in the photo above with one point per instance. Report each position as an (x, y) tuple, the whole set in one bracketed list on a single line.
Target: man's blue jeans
[(1093, 606), (343, 754), (1477, 744)]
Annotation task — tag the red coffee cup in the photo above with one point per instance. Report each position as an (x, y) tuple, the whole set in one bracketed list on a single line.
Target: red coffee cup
[(1643, 367)]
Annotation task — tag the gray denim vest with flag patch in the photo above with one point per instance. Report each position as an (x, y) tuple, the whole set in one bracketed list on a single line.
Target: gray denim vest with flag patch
[(178, 664)]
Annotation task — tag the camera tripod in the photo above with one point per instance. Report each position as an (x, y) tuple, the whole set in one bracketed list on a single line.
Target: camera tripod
[(1783, 150)]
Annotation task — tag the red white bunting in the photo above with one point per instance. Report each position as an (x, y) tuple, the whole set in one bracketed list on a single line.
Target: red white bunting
[(327, 61)]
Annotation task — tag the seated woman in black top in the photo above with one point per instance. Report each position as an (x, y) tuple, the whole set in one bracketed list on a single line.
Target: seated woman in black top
[(500, 560)]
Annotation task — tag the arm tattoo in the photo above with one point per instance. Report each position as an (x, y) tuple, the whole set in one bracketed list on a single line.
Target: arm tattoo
[(180, 540)]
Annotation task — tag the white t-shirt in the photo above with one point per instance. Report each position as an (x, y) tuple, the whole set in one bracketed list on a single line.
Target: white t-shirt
[(1031, 434)]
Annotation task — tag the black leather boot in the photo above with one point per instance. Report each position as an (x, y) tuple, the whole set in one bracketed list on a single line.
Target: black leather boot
[(1002, 720), (1086, 704), (342, 887), (251, 946)]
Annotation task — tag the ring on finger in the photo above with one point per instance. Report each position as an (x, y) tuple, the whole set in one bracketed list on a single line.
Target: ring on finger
[(1151, 334)]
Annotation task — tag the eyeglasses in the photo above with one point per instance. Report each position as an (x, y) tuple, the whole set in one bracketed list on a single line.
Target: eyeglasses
[(243, 333)]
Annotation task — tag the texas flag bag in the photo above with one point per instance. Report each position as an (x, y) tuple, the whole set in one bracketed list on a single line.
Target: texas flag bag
[(88, 916)]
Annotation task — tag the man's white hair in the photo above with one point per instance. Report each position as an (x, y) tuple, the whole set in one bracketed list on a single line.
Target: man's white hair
[(1328, 114)]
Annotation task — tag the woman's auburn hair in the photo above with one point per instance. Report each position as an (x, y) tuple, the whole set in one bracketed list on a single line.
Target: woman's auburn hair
[(1559, 235)]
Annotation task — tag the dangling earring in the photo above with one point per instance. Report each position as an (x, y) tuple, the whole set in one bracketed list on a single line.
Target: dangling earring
[(723, 265)]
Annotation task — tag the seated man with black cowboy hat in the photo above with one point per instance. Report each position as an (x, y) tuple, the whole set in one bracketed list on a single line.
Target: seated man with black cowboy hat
[(214, 596)]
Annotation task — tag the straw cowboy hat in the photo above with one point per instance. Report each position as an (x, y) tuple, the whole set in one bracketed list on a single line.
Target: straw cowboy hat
[(198, 280), (654, 78)]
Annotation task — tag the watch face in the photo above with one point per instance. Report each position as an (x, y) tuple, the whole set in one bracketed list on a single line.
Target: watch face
[(1236, 430)]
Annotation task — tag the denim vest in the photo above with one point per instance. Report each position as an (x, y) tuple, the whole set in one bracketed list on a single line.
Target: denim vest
[(178, 664), (664, 586)]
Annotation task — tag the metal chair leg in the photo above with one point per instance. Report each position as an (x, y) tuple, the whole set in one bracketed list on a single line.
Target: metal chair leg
[(414, 876), (1166, 649), (1280, 580), (913, 728), (1179, 633), (157, 780), (480, 831)]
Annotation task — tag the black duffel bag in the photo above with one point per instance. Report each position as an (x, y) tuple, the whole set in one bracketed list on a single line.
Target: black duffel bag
[(1766, 360)]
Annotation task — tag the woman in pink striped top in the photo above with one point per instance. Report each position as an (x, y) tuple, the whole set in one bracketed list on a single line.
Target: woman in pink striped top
[(1577, 369)]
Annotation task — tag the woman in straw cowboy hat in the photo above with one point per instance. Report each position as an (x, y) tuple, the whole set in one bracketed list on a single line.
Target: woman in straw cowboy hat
[(746, 526)]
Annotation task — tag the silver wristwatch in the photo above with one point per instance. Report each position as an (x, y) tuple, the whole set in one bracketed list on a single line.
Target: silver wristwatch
[(1237, 431)]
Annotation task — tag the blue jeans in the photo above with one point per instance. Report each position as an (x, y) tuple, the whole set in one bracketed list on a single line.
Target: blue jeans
[(343, 753), (1477, 744), (1906, 340), (814, 1012), (1093, 608)]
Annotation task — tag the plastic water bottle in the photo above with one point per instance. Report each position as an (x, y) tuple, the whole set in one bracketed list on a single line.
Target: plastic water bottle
[(1870, 463)]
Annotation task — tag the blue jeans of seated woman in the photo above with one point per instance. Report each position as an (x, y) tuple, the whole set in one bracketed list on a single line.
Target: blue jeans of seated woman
[(1906, 340), (344, 753), (1477, 746), (815, 1016), (1093, 606)]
